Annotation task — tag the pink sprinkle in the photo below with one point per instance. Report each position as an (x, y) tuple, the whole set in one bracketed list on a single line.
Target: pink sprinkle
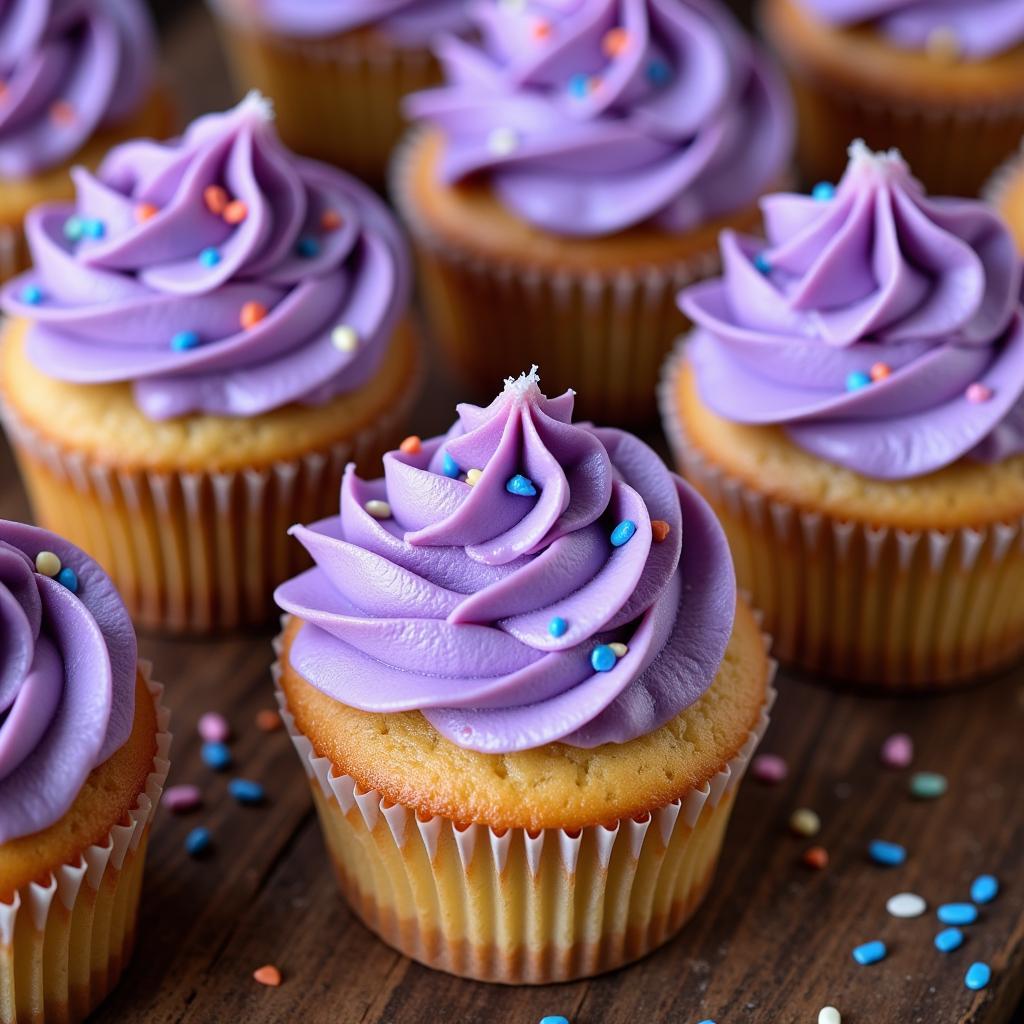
[(978, 392), (898, 750), (179, 799), (769, 768), (214, 728)]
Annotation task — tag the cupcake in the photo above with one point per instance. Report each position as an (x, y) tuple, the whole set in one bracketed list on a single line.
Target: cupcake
[(941, 79), (75, 79), (190, 373), (338, 69), (83, 758), (1006, 193), (850, 403), (574, 173), (524, 691)]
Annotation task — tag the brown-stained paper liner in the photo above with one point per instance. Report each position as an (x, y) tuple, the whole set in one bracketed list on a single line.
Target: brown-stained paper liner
[(994, 191), (189, 551), (518, 906), (65, 941), (13, 252), (899, 609)]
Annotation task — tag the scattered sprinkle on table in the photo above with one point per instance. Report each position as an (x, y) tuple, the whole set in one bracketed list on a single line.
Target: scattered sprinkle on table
[(898, 751), (958, 913), (247, 792), (906, 904), (870, 953), (198, 842), (978, 976), (949, 939), (268, 975), (984, 889), (216, 756), (885, 853), (181, 799), (623, 533), (268, 720), (557, 1019), (214, 728), (378, 509), (769, 768), (805, 822), (928, 785), (829, 1015), (521, 485), (816, 857)]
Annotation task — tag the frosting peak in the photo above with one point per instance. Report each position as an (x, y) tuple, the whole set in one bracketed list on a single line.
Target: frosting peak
[(521, 580)]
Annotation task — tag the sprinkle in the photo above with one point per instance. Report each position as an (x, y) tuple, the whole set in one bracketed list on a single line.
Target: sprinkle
[(870, 953), (378, 509), (619, 650), (928, 785), (880, 371), (829, 1015), (184, 340), (521, 485), (977, 393), (47, 564), (658, 73), (252, 313), (73, 228), (68, 579), (94, 228), (906, 904), (541, 28), (473, 476), (145, 211), (31, 295), (210, 256), (62, 112), (268, 975), (886, 853), (659, 530), (330, 220), (949, 939), (450, 467), (762, 264), (268, 720), (857, 380), (557, 1019), (603, 658), (816, 857), (345, 338), (957, 913), (214, 728), (216, 199), (235, 212), (308, 247), (824, 191), (769, 768), (623, 533), (246, 792), (558, 626), (198, 842), (897, 751), (978, 976), (579, 86), (804, 822), (615, 42), (412, 445), (181, 799), (216, 756), (984, 888), (503, 141)]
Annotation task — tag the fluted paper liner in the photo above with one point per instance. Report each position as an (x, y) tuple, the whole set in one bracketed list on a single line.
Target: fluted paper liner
[(65, 940), (895, 608), (518, 906), (995, 190), (13, 252)]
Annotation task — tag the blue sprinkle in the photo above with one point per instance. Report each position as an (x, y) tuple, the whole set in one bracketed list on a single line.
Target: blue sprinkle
[(978, 976), (216, 756), (958, 913), (579, 86), (658, 72), (184, 340), (209, 257), (707, 1022), (246, 792), (557, 1019), (603, 658), (307, 247), (68, 578), (857, 379), (521, 485), (31, 295), (949, 939), (984, 889), (93, 228), (450, 467), (889, 854), (762, 264), (73, 228), (198, 842), (824, 191), (870, 953), (558, 626), (623, 533)]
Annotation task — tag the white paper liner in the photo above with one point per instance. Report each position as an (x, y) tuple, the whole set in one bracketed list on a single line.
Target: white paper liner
[(896, 608), (65, 942), (519, 906)]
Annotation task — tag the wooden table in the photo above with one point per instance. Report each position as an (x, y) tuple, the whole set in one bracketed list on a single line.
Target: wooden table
[(771, 944)]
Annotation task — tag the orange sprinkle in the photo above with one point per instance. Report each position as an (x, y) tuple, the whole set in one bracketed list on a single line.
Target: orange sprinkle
[(660, 530), (816, 857), (330, 220), (236, 211), (268, 720), (615, 42), (145, 211), (252, 313), (880, 371), (62, 112), (411, 445), (215, 198), (541, 28), (268, 975)]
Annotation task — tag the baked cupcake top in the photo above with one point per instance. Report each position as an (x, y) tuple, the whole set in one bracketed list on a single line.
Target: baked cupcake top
[(218, 273), (521, 580), (68, 68), (973, 29), (592, 116), (67, 676), (881, 327)]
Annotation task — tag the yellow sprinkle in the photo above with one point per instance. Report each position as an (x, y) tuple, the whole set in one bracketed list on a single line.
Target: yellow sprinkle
[(47, 563), (473, 475), (620, 650), (804, 822), (345, 338), (378, 509)]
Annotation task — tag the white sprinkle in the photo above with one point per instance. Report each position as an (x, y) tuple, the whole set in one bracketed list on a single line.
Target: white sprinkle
[(378, 509), (523, 385), (620, 650), (829, 1015), (906, 904), (47, 563), (882, 160), (256, 103), (473, 476), (345, 338), (503, 141), (805, 822)]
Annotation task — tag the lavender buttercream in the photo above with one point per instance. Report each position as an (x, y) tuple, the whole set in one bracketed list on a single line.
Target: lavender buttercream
[(67, 679), (882, 327), (218, 273), (67, 69), (592, 116), (491, 605)]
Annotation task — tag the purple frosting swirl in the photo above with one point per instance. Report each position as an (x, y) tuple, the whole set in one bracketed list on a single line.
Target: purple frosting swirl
[(592, 116), (67, 679), (980, 28), (883, 328), (482, 608), (162, 292), (68, 68)]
